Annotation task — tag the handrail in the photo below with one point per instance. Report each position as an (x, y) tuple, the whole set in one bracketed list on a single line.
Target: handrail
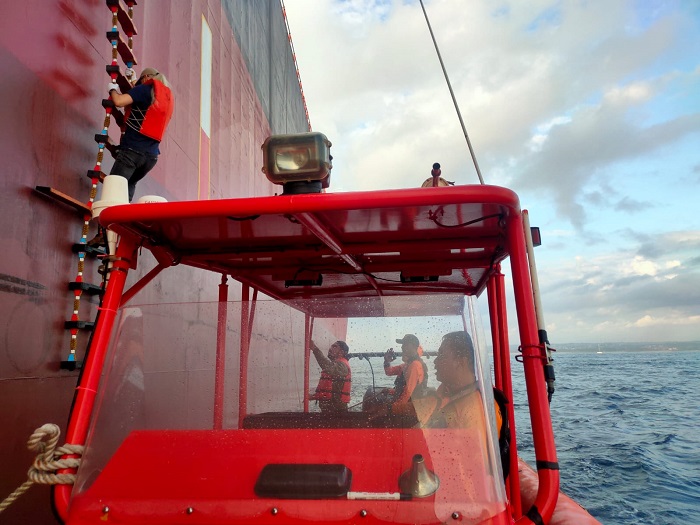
[(533, 363), (86, 391)]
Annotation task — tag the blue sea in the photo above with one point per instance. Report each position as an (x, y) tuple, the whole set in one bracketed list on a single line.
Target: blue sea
[(627, 427)]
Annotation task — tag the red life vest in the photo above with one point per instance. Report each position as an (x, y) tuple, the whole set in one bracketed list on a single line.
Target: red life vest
[(329, 388), (158, 113)]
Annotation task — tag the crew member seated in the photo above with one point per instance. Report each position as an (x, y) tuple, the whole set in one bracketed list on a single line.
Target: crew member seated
[(333, 389), (457, 403), (411, 381)]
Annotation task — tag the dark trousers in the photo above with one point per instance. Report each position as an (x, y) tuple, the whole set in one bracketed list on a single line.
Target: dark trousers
[(133, 166)]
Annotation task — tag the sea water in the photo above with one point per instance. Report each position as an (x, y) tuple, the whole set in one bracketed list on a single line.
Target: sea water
[(627, 429), (626, 424)]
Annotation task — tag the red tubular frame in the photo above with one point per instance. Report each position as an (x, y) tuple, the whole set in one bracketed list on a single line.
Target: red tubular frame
[(501, 349), (308, 333), (136, 288), (533, 364), (219, 378), (79, 419), (533, 352), (495, 334), (245, 347)]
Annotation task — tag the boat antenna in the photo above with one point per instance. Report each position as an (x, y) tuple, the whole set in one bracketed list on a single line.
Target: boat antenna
[(541, 330), (454, 100)]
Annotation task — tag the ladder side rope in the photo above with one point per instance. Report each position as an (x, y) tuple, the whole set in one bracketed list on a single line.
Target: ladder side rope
[(96, 174), (454, 100), (48, 460)]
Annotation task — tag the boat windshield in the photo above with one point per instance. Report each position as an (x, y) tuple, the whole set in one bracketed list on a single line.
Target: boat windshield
[(236, 416)]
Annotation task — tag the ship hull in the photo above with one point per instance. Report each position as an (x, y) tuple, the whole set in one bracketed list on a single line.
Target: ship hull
[(234, 81)]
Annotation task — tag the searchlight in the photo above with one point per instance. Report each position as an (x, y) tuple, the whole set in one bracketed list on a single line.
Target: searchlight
[(301, 163)]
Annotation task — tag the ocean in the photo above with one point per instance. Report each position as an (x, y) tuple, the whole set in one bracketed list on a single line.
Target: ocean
[(627, 428)]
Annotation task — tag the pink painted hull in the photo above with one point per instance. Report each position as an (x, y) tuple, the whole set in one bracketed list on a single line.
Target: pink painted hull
[(53, 55)]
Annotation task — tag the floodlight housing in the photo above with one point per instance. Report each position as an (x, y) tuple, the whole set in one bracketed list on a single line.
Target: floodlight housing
[(301, 162)]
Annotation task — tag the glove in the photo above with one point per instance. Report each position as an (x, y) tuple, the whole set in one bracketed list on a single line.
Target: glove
[(129, 73), (111, 86), (389, 356)]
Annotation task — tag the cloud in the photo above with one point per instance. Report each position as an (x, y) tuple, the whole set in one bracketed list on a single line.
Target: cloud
[(649, 321), (628, 204), (520, 96), (618, 292), (590, 111)]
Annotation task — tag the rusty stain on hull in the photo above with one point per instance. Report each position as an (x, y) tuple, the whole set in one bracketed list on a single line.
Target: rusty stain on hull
[(12, 284)]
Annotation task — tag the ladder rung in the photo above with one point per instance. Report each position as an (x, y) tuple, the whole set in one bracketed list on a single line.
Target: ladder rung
[(107, 141), (122, 48), (116, 112), (123, 16), (126, 53), (88, 249), (71, 365), (80, 325), (88, 288), (62, 197), (96, 174), (124, 85)]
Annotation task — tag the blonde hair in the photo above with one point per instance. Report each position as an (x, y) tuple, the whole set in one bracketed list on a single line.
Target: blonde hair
[(153, 72)]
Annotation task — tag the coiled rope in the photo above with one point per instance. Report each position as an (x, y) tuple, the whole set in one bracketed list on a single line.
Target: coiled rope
[(47, 462)]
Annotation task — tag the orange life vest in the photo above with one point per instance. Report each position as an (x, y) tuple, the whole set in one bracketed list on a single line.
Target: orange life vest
[(158, 113), (329, 388), (400, 383)]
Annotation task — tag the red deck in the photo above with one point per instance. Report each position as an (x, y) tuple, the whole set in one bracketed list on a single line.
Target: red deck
[(159, 475)]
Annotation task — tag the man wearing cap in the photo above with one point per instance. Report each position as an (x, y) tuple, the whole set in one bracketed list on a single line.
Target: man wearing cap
[(411, 376), (333, 390)]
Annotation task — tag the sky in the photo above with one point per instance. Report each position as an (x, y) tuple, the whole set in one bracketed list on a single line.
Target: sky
[(588, 109)]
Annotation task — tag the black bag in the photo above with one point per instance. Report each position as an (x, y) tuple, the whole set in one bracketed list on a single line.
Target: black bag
[(504, 431)]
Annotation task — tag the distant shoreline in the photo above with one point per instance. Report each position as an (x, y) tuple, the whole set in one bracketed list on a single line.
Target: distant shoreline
[(673, 346), (570, 348)]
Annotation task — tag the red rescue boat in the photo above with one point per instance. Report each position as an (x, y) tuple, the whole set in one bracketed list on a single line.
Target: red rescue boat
[(200, 412)]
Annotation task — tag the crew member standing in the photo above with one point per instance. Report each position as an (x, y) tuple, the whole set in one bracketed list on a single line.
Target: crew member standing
[(412, 375), (333, 390)]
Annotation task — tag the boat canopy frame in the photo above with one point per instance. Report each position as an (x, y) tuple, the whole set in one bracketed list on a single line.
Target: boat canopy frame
[(356, 245)]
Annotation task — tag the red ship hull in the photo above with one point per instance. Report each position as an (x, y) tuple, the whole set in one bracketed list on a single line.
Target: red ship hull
[(234, 81)]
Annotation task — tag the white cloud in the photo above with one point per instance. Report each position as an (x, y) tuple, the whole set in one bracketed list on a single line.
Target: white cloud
[(649, 320), (640, 266), (589, 110), (542, 131), (630, 94)]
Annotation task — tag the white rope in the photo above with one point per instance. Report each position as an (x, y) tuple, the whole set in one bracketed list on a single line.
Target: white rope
[(47, 462)]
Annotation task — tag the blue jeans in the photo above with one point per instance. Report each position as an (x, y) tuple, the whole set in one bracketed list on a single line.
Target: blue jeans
[(133, 166)]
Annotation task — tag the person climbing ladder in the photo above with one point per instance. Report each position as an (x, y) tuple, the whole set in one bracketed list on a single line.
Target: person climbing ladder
[(149, 107)]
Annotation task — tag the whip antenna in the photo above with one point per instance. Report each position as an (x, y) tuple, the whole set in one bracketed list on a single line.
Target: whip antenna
[(454, 100)]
